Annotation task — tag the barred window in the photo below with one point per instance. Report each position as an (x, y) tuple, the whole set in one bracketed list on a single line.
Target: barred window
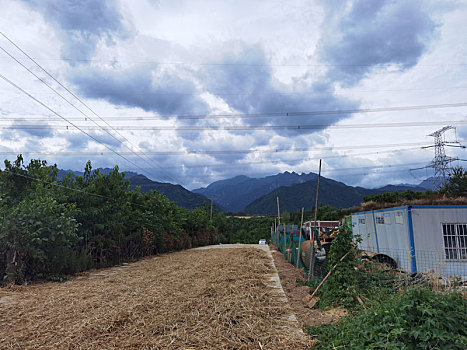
[(455, 241)]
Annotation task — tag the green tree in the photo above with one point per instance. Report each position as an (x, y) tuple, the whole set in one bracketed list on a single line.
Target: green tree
[(457, 183)]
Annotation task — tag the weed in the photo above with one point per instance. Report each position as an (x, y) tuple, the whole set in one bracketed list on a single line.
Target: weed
[(416, 319)]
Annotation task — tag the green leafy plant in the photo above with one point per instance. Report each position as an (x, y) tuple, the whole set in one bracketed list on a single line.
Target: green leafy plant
[(457, 183), (341, 288), (416, 319), (50, 229)]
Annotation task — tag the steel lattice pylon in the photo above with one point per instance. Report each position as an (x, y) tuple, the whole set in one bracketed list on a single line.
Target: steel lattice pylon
[(441, 161)]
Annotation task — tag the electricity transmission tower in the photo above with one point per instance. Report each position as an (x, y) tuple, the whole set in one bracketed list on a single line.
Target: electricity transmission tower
[(441, 161)]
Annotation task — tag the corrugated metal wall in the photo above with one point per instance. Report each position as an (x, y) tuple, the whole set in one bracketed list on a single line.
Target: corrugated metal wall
[(428, 238), (412, 236)]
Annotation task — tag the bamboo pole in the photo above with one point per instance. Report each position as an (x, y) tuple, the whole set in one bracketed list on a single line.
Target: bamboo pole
[(311, 272), (300, 239)]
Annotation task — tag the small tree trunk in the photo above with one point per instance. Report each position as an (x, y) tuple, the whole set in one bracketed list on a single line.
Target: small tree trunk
[(11, 254)]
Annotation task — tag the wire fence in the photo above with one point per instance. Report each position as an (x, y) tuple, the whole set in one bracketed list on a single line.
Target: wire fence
[(436, 263), (297, 250)]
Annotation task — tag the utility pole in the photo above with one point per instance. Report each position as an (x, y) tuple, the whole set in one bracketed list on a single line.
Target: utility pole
[(311, 271), (278, 223), (210, 216), (441, 160)]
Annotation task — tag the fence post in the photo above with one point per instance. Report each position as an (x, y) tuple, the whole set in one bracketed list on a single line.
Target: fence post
[(300, 239), (312, 255)]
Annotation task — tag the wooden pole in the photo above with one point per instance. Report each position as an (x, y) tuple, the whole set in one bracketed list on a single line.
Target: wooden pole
[(312, 245), (279, 224), (329, 274), (275, 232), (210, 216), (291, 244), (300, 238)]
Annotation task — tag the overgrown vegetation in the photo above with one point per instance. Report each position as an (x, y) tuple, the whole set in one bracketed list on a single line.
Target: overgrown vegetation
[(416, 319), (325, 212), (457, 183), (398, 197), (383, 314), (250, 230), (49, 230), (342, 288)]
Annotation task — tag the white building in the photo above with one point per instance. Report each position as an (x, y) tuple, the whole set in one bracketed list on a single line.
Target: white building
[(419, 238)]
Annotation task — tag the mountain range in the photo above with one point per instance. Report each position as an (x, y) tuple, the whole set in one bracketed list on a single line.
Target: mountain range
[(236, 193), (176, 193), (258, 195)]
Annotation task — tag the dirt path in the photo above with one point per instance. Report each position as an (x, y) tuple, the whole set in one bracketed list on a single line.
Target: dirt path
[(197, 299), (298, 296)]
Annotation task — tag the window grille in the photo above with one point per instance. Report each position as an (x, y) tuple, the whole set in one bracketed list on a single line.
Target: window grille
[(455, 241)]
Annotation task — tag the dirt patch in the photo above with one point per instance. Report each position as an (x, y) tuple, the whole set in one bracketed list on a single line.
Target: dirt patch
[(299, 296), (200, 299)]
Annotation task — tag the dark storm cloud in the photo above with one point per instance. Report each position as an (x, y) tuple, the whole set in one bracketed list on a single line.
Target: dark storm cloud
[(245, 82), (140, 86), (21, 129), (373, 34), (81, 24)]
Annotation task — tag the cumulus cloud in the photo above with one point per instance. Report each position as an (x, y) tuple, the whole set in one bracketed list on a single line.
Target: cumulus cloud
[(373, 34), (244, 80), (82, 24), (27, 129)]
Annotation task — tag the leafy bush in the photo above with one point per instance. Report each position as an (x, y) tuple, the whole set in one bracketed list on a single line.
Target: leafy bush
[(397, 197), (49, 229), (43, 233), (341, 288), (457, 183), (416, 319)]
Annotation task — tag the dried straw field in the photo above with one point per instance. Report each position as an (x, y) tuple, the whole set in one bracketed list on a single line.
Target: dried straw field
[(196, 299)]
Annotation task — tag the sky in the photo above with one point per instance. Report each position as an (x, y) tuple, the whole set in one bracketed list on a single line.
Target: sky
[(191, 92)]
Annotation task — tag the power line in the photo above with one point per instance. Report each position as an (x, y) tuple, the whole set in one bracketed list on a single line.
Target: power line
[(97, 153), (282, 93), (56, 184), (71, 123), (179, 63), (237, 127), (315, 113), (229, 152), (345, 174), (70, 92), (40, 118)]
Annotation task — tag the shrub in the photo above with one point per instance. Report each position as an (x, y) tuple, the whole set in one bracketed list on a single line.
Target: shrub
[(416, 319)]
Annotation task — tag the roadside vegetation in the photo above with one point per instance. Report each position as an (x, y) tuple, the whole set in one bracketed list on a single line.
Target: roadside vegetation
[(51, 229), (388, 309)]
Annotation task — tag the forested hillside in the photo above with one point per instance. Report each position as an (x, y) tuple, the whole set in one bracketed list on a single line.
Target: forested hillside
[(236, 193), (175, 193), (50, 229), (303, 195)]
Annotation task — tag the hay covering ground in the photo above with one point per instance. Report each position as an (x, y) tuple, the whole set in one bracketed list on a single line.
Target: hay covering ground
[(197, 299)]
